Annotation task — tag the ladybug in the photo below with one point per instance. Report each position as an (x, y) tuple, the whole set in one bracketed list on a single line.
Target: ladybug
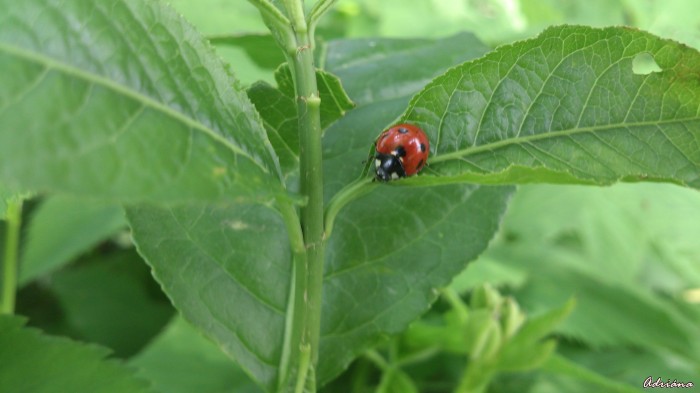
[(401, 151)]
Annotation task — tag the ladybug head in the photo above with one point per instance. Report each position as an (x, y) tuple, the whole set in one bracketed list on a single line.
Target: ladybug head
[(388, 167)]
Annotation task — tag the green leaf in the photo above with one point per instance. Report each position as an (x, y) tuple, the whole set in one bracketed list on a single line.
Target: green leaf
[(527, 349), (565, 367), (33, 362), (143, 109), (229, 280), (214, 19), (278, 113), (538, 327), (389, 252), (228, 271), (278, 110), (623, 315), (487, 270), (565, 107), (180, 360), (617, 363), (526, 357), (261, 48), (61, 229), (92, 293), (617, 253), (378, 69), (381, 75), (334, 100)]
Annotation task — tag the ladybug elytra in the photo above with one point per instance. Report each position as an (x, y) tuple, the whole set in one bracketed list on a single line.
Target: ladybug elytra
[(401, 151)]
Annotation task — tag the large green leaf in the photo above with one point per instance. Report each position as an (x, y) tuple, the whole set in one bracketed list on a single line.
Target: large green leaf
[(381, 75), (62, 228), (123, 99), (566, 107), (33, 362), (370, 68), (389, 252)]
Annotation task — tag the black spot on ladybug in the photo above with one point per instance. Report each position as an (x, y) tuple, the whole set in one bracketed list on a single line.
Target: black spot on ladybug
[(420, 165), (422, 147), (403, 130), (400, 152)]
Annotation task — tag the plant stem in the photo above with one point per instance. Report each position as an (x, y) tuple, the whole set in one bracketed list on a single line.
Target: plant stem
[(457, 304), (307, 318), (11, 257), (293, 354), (476, 378), (348, 194)]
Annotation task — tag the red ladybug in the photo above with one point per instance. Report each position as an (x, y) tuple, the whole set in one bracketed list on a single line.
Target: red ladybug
[(402, 151)]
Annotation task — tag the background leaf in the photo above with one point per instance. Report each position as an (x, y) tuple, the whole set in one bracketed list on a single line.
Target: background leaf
[(33, 362), (627, 253), (73, 121), (61, 229), (220, 19), (566, 107), (261, 48), (379, 69), (99, 288), (180, 360)]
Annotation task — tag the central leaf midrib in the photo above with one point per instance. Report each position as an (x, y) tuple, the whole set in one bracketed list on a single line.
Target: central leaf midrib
[(472, 150), (96, 79)]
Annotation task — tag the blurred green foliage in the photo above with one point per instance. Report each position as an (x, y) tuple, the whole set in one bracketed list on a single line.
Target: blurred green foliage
[(629, 254), (495, 22)]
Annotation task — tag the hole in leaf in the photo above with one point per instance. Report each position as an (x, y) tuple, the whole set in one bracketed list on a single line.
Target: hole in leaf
[(644, 64)]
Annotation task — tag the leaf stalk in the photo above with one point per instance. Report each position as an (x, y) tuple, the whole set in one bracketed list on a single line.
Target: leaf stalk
[(11, 256)]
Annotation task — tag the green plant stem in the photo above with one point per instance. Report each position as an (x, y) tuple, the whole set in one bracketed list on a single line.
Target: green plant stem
[(456, 302), (349, 193), (320, 8), (307, 318), (377, 359), (476, 378), (11, 257), (293, 355)]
